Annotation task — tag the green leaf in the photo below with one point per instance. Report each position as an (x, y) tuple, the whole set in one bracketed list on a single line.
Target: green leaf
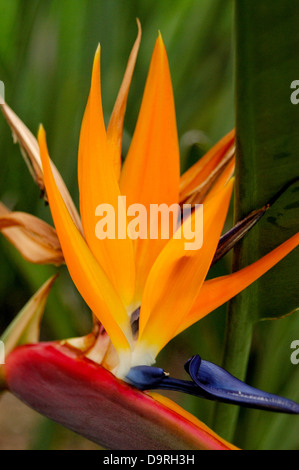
[(267, 124), (277, 291)]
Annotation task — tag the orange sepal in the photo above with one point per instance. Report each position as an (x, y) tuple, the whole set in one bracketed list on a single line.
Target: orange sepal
[(88, 276), (196, 183), (176, 278), (216, 292), (97, 186), (150, 174)]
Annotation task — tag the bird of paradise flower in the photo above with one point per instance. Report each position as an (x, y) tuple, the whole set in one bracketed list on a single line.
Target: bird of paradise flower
[(142, 292)]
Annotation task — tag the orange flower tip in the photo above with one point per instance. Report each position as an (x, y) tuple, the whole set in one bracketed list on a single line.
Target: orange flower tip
[(97, 57), (98, 51), (41, 132), (160, 43), (42, 142)]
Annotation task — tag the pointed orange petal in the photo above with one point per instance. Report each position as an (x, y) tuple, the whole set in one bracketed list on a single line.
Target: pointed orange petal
[(86, 273), (98, 185), (115, 128), (30, 151), (196, 182), (216, 292), (176, 278), (151, 170)]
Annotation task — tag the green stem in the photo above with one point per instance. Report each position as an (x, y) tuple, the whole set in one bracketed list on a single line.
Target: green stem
[(235, 360)]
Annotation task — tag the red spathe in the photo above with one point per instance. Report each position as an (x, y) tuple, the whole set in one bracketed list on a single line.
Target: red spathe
[(89, 400)]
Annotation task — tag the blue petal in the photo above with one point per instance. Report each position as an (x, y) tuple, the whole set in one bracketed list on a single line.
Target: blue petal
[(149, 378), (222, 386), (145, 377), (211, 382)]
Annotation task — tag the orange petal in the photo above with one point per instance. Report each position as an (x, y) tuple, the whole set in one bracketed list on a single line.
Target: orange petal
[(30, 151), (216, 292), (151, 170), (86, 273), (196, 182), (33, 238), (98, 185), (115, 128), (176, 278)]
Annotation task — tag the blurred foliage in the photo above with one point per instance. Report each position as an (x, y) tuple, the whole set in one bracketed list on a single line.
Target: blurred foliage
[(46, 53)]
